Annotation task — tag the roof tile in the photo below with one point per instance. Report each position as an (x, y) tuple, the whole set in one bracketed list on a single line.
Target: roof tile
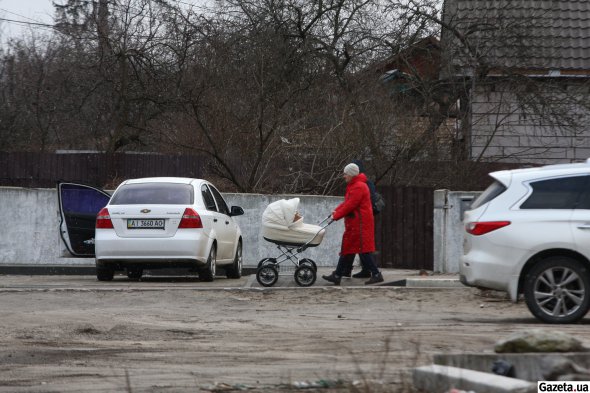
[(553, 34)]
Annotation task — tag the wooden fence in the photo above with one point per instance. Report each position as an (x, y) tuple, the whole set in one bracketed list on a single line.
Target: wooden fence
[(100, 169), (403, 229)]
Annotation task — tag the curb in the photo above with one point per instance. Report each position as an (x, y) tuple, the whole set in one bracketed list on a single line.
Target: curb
[(74, 270), (48, 270), (434, 283)]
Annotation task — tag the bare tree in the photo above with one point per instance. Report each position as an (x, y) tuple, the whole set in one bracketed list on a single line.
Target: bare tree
[(280, 94)]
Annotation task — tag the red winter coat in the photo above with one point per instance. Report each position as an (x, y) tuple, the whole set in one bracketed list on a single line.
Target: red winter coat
[(357, 210)]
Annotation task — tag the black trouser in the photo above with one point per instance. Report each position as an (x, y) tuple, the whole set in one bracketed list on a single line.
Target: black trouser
[(345, 264)]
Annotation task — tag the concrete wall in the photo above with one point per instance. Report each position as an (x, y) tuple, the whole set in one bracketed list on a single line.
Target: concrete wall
[(448, 230), (30, 234)]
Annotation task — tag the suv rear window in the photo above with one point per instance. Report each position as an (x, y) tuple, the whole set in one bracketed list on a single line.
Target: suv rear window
[(493, 190), (563, 193), (153, 193)]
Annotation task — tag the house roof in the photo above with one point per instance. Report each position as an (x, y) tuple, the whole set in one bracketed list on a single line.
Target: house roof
[(421, 59), (541, 35)]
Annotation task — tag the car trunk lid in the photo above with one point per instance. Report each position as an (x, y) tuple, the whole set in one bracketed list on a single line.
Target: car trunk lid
[(146, 220)]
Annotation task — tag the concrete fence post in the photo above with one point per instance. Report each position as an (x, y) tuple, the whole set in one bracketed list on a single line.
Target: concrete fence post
[(440, 230), (448, 230)]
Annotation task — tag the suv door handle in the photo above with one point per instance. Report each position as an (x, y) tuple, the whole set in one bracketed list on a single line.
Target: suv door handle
[(585, 226)]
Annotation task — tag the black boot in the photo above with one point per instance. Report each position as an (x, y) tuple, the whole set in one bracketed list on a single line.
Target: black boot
[(374, 279), (362, 274), (333, 278)]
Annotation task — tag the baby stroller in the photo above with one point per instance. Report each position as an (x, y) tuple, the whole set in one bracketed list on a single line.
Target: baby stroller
[(283, 226)]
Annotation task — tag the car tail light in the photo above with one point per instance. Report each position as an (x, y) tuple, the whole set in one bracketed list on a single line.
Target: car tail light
[(103, 219), (190, 219), (481, 228)]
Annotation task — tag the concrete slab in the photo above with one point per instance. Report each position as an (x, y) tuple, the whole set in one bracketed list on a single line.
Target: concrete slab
[(527, 366), (437, 378)]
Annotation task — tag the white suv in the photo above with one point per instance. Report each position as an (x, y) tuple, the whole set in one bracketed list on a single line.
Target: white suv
[(529, 233)]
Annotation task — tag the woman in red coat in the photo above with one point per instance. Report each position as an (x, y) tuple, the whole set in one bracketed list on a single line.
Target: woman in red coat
[(359, 227)]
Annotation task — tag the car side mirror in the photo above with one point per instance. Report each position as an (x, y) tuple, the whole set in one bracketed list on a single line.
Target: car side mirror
[(236, 211)]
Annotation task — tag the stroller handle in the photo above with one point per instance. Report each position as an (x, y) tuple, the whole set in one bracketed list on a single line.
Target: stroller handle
[(321, 224)]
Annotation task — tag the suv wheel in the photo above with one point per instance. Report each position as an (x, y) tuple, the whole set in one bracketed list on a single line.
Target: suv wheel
[(557, 290)]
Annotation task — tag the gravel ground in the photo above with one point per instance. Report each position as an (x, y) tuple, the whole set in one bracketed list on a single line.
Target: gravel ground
[(167, 336)]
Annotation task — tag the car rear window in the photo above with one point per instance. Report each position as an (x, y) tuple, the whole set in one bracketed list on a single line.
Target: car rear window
[(493, 190), (153, 193), (563, 193)]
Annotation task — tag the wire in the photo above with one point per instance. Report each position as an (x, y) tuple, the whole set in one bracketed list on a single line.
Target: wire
[(22, 16), (43, 25)]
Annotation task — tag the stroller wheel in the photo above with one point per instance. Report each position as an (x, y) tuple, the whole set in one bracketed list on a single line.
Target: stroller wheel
[(267, 261), (305, 275), (309, 262), (267, 275)]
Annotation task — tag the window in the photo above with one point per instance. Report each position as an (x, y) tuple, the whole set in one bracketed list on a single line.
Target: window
[(208, 198), (493, 190), (154, 193), (81, 200), (220, 201), (563, 193)]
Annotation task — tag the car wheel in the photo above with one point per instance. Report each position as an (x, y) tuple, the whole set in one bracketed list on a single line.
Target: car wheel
[(235, 270), (208, 272), (557, 290), (135, 273), (104, 274)]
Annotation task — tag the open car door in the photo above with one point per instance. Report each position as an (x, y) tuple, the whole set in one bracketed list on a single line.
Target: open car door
[(78, 206)]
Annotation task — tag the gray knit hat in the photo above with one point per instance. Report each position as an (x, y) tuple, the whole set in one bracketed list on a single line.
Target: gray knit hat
[(351, 169)]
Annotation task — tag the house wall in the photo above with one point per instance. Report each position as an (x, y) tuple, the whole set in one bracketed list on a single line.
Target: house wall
[(501, 131), (30, 234)]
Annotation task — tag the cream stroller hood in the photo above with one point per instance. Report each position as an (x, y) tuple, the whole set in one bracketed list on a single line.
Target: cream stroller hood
[(280, 214), (278, 225)]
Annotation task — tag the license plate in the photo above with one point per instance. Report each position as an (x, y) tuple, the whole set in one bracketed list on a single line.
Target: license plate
[(145, 224)]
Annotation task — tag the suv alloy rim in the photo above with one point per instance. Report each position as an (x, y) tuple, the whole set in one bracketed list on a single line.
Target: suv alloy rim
[(559, 291)]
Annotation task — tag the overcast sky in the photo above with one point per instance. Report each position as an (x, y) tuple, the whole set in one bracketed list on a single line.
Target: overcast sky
[(34, 11)]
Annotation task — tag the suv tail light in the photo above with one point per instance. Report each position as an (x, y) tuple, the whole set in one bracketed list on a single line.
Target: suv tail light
[(481, 228), (103, 219), (190, 219)]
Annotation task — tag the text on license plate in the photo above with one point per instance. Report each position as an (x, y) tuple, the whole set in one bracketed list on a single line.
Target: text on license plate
[(145, 224)]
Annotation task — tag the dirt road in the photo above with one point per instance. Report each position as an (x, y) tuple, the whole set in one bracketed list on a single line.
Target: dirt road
[(158, 339)]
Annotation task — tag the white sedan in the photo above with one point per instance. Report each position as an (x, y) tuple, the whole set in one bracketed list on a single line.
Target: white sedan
[(151, 223)]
